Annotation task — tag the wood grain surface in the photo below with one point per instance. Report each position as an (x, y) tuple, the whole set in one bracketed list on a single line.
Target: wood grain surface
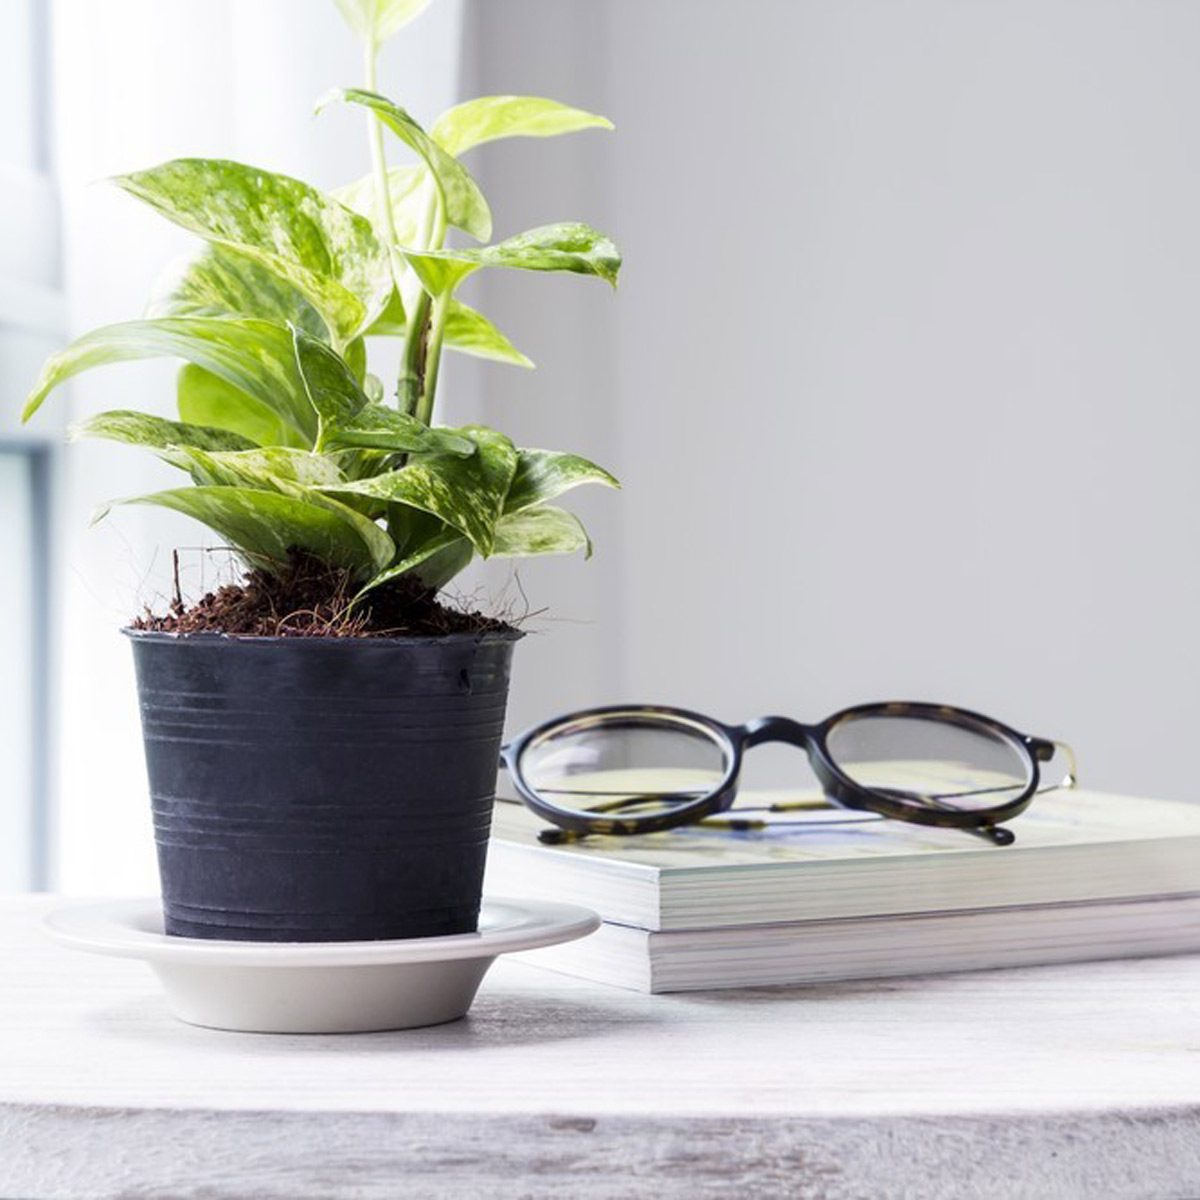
[(1077, 1081)]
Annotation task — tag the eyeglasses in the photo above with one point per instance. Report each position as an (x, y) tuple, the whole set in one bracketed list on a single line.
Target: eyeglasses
[(632, 769)]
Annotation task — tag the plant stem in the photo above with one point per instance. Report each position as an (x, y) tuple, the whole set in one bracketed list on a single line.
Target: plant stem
[(417, 383), (405, 397), (383, 194), (433, 357), (412, 365), (422, 349)]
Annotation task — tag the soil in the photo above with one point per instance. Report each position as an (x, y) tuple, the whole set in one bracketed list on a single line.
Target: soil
[(313, 600)]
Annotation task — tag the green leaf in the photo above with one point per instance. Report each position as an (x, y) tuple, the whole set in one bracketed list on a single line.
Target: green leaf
[(534, 531), (450, 551), (330, 254), (264, 526), (465, 206), (350, 420), (219, 282), (205, 399), (392, 322), (490, 117), (439, 568), (355, 357), (329, 384), (467, 331), (543, 530), (543, 474), (377, 427), (273, 469), (466, 493), (568, 247), (470, 332), (411, 528), (377, 20), (295, 473), (253, 356), (142, 429), (291, 473), (406, 189), (360, 464)]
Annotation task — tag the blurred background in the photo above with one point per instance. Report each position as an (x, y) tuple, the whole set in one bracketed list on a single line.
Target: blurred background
[(901, 377)]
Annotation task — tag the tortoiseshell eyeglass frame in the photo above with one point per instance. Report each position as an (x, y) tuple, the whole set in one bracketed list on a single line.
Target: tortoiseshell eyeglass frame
[(839, 789)]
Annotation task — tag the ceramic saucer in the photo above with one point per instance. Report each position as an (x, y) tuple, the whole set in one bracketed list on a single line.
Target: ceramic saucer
[(317, 987)]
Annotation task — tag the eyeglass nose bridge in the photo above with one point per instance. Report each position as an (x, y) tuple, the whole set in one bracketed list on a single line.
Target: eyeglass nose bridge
[(777, 729)]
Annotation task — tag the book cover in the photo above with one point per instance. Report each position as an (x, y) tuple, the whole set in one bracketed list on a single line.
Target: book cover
[(1070, 846), (813, 952)]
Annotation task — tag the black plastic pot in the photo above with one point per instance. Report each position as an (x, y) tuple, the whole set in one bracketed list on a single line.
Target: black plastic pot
[(321, 789)]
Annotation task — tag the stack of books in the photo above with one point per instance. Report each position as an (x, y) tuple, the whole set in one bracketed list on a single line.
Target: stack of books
[(1090, 876)]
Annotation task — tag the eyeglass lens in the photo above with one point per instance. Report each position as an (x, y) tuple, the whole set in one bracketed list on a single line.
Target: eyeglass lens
[(935, 763), (635, 765)]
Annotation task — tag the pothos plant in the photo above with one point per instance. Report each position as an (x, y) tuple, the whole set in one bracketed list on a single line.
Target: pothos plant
[(291, 443)]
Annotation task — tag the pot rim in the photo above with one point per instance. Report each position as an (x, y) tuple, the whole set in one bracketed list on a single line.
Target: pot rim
[(241, 639)]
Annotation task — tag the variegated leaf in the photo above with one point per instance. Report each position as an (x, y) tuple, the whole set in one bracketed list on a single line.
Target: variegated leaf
[(439, 568), (541, 530), (467, 332), (329, 384), (355, 357), (487, 118), (156, 433), (393, 321), (533, 531), (217, 281), (465, 206), (466, 493), (470, 332), (544, 474), (377, 427), (274, 469), (264, 526), (252, 356), (568, 247), (327, 252), (442, 557), (409, 191), (376, 20), (203, 398)]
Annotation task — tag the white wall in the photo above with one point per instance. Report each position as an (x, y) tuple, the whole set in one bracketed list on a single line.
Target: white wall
[(900, 378), (904, 366), (568, 326)]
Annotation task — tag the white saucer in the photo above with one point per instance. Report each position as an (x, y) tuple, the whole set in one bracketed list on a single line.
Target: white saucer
[(317, 987)]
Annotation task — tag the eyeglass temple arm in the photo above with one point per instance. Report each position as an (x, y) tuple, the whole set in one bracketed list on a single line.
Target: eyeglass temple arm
[(1044, 750), (996, 834)]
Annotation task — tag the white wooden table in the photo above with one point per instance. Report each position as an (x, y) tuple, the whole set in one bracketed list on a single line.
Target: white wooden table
[(1080, 1081)]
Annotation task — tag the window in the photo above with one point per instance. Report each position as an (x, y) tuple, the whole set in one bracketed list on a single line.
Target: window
[(30, 327)]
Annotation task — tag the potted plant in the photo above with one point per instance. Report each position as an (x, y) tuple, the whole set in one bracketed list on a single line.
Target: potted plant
[(322, 737)]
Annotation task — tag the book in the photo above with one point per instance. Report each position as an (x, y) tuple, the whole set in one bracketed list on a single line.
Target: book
[(825, 895), (811, 952), (1071, 846)]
